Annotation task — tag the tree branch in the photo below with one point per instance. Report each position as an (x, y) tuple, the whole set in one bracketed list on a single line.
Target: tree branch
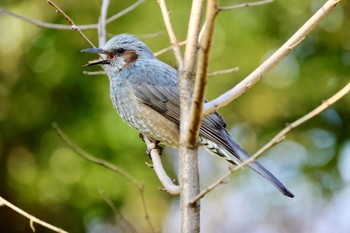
[(150, 35), (102, 34), (110, 166), (181, 43), (124, 12), (189, 177), (244, 5), (37, 22), (278, 138), (219, 72), (66, 27), (94, 72), (31, 218), (71, 22), (172, 36), (169, 186), (202, 72), (271, 62), (124, 222), (94, 159)]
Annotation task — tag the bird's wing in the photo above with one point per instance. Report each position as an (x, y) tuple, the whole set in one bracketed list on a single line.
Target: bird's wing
[(156, 86)]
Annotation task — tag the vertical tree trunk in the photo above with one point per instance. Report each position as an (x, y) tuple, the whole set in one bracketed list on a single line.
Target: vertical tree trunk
[(189, 177)]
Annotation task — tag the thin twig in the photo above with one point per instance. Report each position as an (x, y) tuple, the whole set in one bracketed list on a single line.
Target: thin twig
[(168, 184), (121, 219), (171, 33), (94, 159), (244, 5), (150, 35), (109, 201), (102, 24), (181, 43), (124, 12), (219, 72), (144, 206), (307, 117), (218, 9), (67, 27), (271, 62), (71, 22), (38, 22), (107, 165), (30, 217), (94, 72), (278, 138)]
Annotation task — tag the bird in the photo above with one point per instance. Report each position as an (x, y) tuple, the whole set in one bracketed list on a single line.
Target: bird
[(145, 93)]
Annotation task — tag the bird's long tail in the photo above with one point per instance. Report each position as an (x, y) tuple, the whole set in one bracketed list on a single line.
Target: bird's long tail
[(235, 154)]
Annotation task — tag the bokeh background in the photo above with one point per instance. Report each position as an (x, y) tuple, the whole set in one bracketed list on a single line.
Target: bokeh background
[(41, 82)]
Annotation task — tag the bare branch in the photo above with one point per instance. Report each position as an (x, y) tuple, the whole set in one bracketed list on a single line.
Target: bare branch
[(271, 62), (172, 36), (244, 5), (278, 138), (212, 186), (30, 217), (306, 117), (187, 79), (150, 35), (189, 177), (71, 22), (201, 33), (36, 22), (223, 179), (169, 186), (125, 11), (47, 25), (94, 72), (94, 159), (66, 27), (124, 222), (107, 165), (219, 72), (181, 43), (202, 71), (145, 209), (102, 34)]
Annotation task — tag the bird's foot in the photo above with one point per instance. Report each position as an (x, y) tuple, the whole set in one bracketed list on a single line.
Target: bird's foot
[(154, 145)]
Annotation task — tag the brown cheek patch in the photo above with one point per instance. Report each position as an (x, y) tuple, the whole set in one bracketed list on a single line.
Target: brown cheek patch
[(130, 57)]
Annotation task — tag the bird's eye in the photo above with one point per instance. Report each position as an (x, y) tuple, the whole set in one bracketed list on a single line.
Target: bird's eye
[(119, 51)]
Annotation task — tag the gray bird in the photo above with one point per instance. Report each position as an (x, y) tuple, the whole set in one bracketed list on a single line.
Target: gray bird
[(145, 93)]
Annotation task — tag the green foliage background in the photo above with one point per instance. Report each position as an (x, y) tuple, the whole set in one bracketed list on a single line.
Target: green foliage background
[(41, 82)]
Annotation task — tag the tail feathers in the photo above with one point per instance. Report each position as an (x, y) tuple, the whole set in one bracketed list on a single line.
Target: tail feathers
[(258, 168), (235, 154), (238, 152)]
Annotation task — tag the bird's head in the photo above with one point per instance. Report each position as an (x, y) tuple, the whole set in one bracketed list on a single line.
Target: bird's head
[(120, 52)]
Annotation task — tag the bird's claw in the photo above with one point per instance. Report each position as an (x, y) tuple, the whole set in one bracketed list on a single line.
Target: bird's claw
[(154, 145)]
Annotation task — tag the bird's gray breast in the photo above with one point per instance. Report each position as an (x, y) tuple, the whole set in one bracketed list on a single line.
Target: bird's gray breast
[(124, 101), (142, 106)]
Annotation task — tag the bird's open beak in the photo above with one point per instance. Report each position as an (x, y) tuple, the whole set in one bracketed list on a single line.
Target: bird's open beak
[(96, 50)]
